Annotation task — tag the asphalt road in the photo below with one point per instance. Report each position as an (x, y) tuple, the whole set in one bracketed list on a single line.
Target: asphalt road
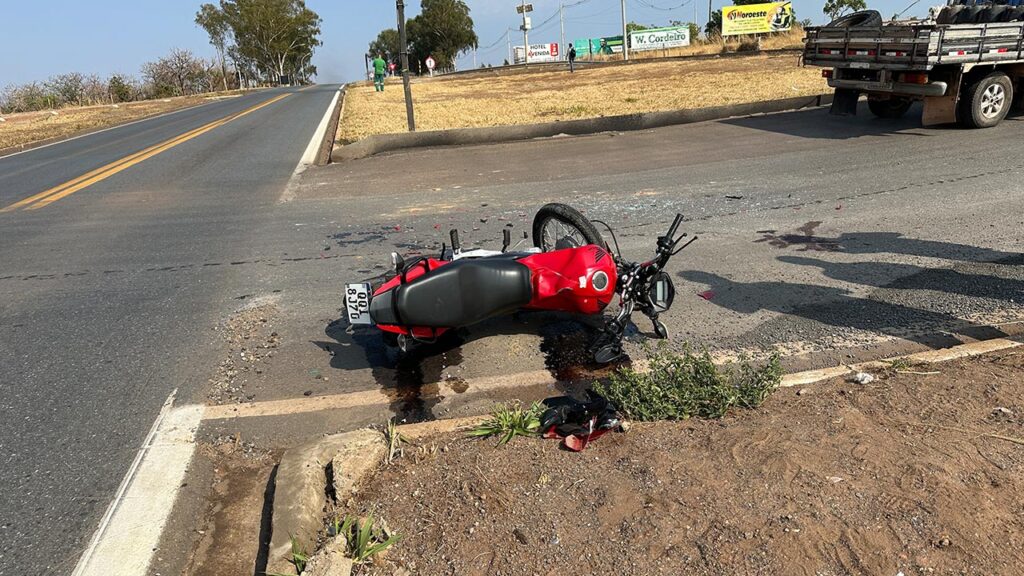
[(108, 297), (824, 238)]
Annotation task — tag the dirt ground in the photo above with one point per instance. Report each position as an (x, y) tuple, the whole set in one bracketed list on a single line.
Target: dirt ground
[(904, 475), (551, 95), (28, 127)]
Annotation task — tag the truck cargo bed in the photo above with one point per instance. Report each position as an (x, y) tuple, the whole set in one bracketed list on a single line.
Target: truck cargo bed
[(914, 46)]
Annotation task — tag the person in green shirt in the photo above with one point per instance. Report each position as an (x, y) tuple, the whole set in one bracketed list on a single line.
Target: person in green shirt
[(379, 65)]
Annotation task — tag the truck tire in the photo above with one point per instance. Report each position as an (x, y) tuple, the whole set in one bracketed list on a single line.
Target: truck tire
[(969, 15), (948, 14), (862, 19), (889, 108), (992, 14), (985, 101)]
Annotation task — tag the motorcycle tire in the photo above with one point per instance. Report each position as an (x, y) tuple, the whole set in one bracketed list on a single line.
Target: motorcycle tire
[(567, 216), (862, 19)]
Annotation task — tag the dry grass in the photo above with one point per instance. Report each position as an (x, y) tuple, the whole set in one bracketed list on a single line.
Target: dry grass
[(545, 96), (28, 127)]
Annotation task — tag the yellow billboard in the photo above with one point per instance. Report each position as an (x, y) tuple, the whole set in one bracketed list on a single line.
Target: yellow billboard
[(757, 18)]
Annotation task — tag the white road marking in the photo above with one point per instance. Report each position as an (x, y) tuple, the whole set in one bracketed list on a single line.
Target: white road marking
[(128, 534), (309, 156)]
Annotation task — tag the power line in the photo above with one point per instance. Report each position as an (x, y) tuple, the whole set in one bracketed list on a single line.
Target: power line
[(664, 9)]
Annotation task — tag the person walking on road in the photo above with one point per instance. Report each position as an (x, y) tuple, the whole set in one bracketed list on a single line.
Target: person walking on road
[(379, 65), (572, 58)]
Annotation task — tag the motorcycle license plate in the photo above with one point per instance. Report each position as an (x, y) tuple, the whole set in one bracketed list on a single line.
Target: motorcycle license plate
[(357, 303)]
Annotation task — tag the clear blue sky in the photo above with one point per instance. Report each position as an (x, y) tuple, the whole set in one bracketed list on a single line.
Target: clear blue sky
[(40, 39)]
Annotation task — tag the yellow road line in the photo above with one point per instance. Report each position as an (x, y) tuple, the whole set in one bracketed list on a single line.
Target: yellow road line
[(54, 194)]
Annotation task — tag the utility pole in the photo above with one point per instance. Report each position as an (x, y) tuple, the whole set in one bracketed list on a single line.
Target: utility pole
[(508, 40), (405, 65), (625, 38), (561, 25), (709, 15), (526, 36)]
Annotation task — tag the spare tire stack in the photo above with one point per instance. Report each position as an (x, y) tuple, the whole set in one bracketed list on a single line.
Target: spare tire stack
[(980, 13)]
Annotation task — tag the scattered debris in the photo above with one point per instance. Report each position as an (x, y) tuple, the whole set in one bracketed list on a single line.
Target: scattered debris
[(862, 378), (251, 342), (707, 294)]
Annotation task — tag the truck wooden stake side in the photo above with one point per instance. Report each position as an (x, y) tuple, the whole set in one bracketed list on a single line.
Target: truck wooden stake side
[(965, 73)]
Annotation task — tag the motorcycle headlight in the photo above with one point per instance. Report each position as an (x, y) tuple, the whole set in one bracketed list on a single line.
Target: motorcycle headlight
[(662, 292)]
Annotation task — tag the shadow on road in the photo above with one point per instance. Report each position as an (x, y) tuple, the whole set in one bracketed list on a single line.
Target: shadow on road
[(837, 307), (411, 379), (885, 242), (818, 123), (910, 277)]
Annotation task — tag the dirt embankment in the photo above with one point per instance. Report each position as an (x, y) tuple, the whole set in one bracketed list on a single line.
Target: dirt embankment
[(914, 473), (551, 95), (26, 128)]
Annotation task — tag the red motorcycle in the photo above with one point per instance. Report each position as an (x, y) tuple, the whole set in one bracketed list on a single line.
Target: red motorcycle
[(569, 269)]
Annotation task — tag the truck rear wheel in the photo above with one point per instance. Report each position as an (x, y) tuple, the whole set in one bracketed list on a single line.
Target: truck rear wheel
[(986, 101), (891, 107)]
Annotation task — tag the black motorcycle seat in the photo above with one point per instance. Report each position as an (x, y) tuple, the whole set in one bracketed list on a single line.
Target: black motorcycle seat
[(458, 294)]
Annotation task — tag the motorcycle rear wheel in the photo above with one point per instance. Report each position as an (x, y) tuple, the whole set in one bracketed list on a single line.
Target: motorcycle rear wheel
[(558, 226)]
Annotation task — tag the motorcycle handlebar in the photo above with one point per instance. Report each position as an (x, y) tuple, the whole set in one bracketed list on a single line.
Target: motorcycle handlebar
[(675, 226)]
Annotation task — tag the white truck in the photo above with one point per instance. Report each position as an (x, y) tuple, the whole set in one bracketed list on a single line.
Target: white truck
[(966, 63)]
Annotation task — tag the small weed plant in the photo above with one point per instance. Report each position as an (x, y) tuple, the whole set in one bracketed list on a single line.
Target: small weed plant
[(299, 558), (510, 420), (364, 540), (395, 441), (680, 386)]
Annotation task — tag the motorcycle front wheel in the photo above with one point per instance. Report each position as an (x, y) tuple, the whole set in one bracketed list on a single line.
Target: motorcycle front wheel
[(558, 226)]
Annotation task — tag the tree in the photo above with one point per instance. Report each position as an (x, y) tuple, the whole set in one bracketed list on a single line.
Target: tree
[(634, 27), (213, 21), (442, 30), (271, 38), (67, 89), (806, 23), (178, 74), (836, 8), (121, 88), (714, 26), (388, 44)]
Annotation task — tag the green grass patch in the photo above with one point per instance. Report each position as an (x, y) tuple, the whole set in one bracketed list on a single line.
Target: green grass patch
[(510, 420), (680, 386)]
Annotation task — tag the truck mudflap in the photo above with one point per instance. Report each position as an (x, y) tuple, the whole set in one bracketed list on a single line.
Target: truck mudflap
[(942, 109), (845, 102)]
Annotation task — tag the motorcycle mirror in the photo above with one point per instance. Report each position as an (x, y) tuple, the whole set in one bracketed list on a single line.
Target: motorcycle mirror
[(662, 292)]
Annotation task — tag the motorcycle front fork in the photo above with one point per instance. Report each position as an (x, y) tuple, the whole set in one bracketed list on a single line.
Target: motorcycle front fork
[(607, 347)]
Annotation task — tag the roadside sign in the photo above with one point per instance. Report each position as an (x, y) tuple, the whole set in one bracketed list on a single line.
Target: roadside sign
[(757, 18), (538, 53), (660, 38), (524, 8), (527, 23), (431, 63)]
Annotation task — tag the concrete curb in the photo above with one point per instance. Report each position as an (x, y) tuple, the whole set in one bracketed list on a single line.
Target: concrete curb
[(628, 122), (323, 155), (306, 476)]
